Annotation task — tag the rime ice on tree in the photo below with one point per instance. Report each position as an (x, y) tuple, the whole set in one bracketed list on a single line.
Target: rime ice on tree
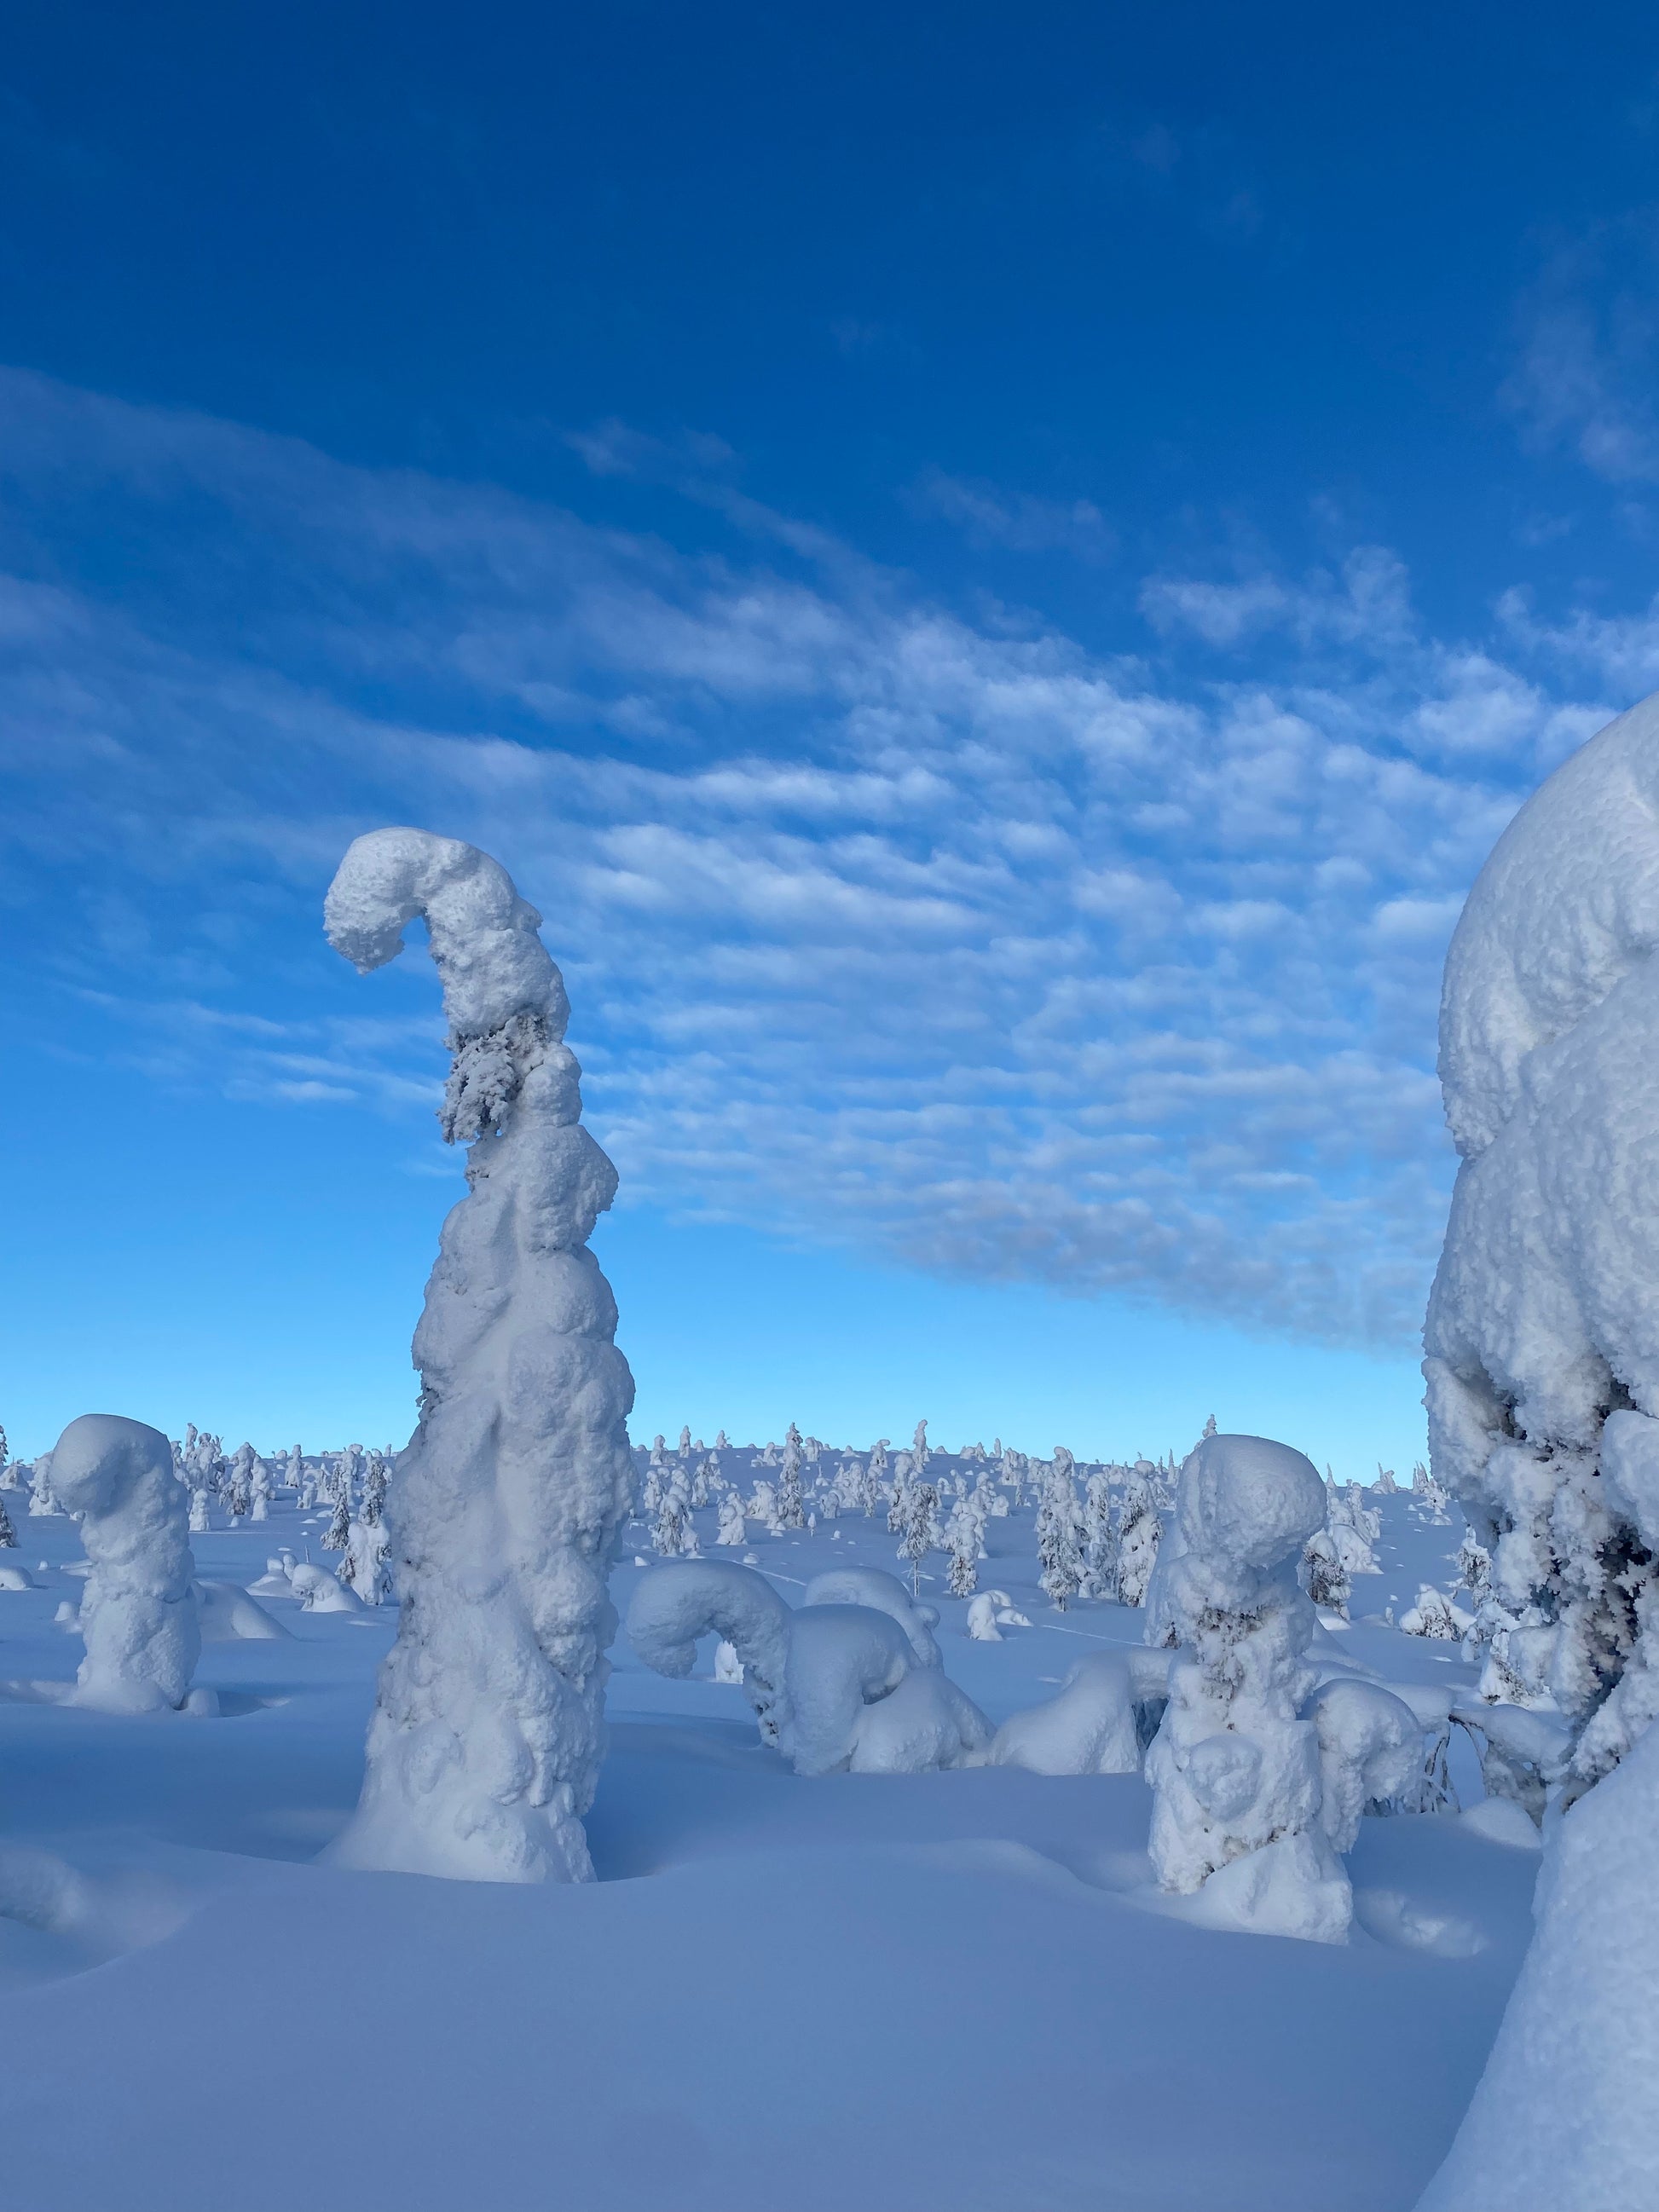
[(1234, 1769), (1544, 1318), (138, 1613), (485, 1744)]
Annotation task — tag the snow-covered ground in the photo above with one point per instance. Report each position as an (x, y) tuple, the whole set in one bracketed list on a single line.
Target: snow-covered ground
[(952, 1989)]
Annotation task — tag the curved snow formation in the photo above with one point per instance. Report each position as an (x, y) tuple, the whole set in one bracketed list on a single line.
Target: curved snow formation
[(836, 1686), (138, 1610), (1234, 1768), (1544, 1317), (874, 1586), (485, 1749), (674, 1604)]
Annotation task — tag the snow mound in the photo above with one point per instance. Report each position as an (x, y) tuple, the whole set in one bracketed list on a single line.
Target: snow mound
[(926, 1724), (229, 1615), (872, 1586), (1089, 1729), (317, 1591)]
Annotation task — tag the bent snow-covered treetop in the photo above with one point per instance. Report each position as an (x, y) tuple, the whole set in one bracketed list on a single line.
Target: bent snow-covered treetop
[(492, 964)]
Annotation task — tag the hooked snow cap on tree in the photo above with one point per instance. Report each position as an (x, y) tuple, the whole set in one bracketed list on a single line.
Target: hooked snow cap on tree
[(485, 1745), (1543, 1315), (138, 1613)]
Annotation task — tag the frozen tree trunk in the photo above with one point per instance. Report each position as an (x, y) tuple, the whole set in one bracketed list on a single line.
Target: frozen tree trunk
[(485, 1744), (138, 1614)]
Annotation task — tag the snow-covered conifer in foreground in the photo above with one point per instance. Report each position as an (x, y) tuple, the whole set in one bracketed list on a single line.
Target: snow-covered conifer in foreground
[(485, 1744), (137, 1612), (1234, 1768), (1545, 1312)]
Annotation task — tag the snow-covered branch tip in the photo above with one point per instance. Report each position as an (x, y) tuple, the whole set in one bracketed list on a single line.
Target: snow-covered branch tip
[(504, 999)]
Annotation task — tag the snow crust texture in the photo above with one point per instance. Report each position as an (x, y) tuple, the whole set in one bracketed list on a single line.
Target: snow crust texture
[(138, 1611), (1544, 1318), (487, 1736)]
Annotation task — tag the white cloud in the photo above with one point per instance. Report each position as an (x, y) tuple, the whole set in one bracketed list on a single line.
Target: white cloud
[(882, 927)]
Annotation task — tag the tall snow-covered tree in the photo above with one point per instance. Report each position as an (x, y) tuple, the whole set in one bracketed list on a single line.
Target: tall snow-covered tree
[(1542, 1333), (485, 1744), (920, 1533), (1139, 1531), (791, 1506), (1059, 1551)]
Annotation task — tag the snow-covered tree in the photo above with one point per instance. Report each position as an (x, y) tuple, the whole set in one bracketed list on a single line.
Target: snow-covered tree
[(1543, 1327), (377, 1476), (365, 1568), (1059, 1550), (1327, 1578), (485, 1749), (1235, 1767), (919, 1535), (239, 1490), (791, 1508), (1099, 1538), (138, 1609), (1139, 1533), (8, 1534), (335, 1537), (731, 1529)]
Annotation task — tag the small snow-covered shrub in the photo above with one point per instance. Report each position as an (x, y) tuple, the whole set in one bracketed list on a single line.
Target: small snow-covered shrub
[(1235, 1767), (1371, 1751), (319, 1591), (1435, 1616), (137, 1612)]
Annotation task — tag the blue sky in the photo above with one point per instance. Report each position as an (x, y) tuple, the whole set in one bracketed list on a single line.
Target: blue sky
[(994, 573)]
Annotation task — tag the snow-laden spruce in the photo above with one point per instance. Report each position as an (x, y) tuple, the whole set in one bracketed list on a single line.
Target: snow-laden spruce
[(1234, 1768), (1544, 1317), (487, 1735), (138, 1609)]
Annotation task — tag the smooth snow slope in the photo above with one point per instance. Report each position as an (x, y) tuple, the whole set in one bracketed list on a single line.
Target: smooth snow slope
[(901, 1993)]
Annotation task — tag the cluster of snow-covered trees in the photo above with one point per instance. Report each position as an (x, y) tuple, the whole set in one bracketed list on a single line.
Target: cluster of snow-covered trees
[(1097, 1524)]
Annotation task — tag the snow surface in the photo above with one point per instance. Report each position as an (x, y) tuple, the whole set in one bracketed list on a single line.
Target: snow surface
[(908, 1992)]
